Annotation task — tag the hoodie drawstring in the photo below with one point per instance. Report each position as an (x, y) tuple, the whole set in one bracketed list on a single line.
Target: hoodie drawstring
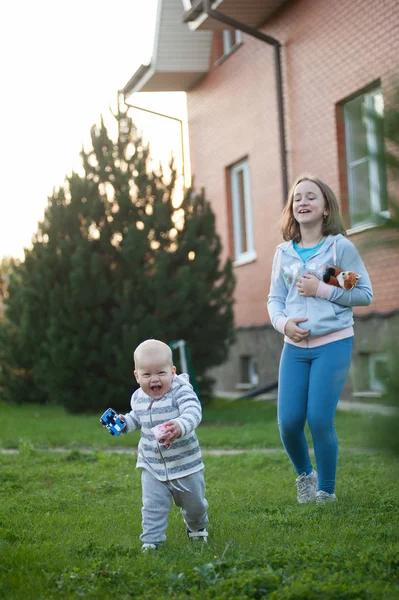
[(335, 253), (179, 489), (277, 267)]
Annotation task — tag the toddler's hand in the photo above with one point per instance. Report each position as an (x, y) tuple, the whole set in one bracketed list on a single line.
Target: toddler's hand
[(174, 430), (122, 418)]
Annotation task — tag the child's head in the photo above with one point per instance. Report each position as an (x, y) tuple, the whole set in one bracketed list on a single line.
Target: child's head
[(332, 222), (153, 368)]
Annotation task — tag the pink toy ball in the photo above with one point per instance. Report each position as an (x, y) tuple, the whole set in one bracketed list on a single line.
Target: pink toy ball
[(161, 434)]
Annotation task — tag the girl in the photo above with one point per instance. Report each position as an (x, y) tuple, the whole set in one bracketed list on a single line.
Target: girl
[(317, 322)]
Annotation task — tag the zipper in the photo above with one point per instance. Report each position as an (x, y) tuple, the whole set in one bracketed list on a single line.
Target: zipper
[(159, 445), (319, 251), (305, 298), (306, 302)]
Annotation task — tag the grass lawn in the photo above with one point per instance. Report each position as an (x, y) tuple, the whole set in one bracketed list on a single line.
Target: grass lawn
[(239, 424), (69, 523)]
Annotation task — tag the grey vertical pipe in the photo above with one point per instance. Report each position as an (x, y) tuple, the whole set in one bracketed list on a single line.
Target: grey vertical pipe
[(215, 14)]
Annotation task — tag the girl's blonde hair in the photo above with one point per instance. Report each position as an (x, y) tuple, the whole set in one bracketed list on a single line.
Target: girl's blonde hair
[(332, 224)]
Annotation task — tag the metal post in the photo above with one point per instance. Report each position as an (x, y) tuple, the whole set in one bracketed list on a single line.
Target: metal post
[(181, 344), (153, 112)]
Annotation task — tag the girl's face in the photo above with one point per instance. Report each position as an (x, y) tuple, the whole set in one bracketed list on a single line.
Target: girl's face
[(308, 205)]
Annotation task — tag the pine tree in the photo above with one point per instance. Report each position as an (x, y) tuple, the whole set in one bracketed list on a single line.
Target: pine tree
[(113, 263)]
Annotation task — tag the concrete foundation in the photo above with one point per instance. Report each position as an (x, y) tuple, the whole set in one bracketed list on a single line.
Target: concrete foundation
[(254, 359)]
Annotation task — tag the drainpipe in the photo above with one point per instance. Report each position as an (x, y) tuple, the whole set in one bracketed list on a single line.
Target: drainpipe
[(215, 14)]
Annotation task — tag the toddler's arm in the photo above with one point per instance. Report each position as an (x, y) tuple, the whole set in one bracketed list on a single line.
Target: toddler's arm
[(132, 423), (189, 408)]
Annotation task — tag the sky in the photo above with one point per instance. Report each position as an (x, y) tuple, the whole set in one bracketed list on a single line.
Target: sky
[(62, 65)]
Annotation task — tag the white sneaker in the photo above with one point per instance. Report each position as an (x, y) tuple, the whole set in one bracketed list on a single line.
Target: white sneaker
[(307, 487), (198, 536), (324, 497), (148, 547)]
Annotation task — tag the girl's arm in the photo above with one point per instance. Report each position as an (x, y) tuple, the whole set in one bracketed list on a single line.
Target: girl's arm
[(277, 295), (348, 260)]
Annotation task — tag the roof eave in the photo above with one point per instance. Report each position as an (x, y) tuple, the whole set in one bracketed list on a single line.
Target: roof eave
[(179, 60), (254, 14), (137, 80)]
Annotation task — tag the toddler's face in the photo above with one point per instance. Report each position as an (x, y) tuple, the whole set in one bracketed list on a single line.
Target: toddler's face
[(155, 377)]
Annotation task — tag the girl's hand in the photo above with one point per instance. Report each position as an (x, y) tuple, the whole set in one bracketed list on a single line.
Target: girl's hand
[(295, 333), (174, 431), (307, 285)]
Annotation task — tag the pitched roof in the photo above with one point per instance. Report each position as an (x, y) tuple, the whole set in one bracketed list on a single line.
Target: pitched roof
[(180, 57)]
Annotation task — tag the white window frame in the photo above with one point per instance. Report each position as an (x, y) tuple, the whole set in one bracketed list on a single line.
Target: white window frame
[(253, 377), (231, 39), (370, 158), (374, 383), (241, 255)]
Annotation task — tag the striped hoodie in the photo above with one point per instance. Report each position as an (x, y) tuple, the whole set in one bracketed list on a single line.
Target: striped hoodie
[(181, 404)]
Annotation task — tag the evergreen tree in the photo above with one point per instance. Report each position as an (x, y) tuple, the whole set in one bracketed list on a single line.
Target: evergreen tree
[(113, 263)]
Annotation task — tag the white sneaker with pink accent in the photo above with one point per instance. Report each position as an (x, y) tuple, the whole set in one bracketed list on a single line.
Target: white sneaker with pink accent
[(324, 497), (307, 487)]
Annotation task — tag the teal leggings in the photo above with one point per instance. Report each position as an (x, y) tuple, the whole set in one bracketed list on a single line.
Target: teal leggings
[(310, 384)]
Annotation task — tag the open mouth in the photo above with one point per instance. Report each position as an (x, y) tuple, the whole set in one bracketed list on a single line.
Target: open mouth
[(156, 389), (303, 211)]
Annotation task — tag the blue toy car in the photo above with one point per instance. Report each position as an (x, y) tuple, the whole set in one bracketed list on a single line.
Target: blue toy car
[(112, 422)]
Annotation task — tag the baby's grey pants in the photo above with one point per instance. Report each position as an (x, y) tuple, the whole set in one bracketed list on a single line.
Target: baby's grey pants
[(187, 492)]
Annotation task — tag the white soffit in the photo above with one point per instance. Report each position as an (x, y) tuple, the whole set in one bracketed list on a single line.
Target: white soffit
[(180, 57), (253, 13)]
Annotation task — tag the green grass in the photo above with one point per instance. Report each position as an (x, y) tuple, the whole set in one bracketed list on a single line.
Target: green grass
[(69, 523), (239, 424)]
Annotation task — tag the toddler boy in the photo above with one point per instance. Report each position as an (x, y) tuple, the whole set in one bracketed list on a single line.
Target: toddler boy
[(174, 468)]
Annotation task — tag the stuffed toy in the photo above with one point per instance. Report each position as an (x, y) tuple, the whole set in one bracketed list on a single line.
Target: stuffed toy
[(339, 278)]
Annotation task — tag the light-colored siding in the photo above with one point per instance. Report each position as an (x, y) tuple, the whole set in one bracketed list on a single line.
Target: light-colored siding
[(176, 47)]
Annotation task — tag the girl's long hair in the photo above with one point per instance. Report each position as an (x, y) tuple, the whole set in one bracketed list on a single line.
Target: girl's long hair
[(332, 225)]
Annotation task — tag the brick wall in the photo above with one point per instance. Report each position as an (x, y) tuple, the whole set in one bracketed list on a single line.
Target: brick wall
[(331, 50)]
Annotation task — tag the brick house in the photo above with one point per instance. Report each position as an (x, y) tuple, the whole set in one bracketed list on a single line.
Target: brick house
[(276, 88)]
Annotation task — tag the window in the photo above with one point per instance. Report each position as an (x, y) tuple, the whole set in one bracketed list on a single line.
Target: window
[(248, 373), (371, 373), (231, 39), (378, 372), (364, 159), (244, 250)]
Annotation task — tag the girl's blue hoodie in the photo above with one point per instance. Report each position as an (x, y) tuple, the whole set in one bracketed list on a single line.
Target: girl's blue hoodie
[(326, 314)]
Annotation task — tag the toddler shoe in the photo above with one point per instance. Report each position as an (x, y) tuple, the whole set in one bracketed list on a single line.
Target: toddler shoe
[(324, 497), (149, 547), (198, 536), (307, 487)]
